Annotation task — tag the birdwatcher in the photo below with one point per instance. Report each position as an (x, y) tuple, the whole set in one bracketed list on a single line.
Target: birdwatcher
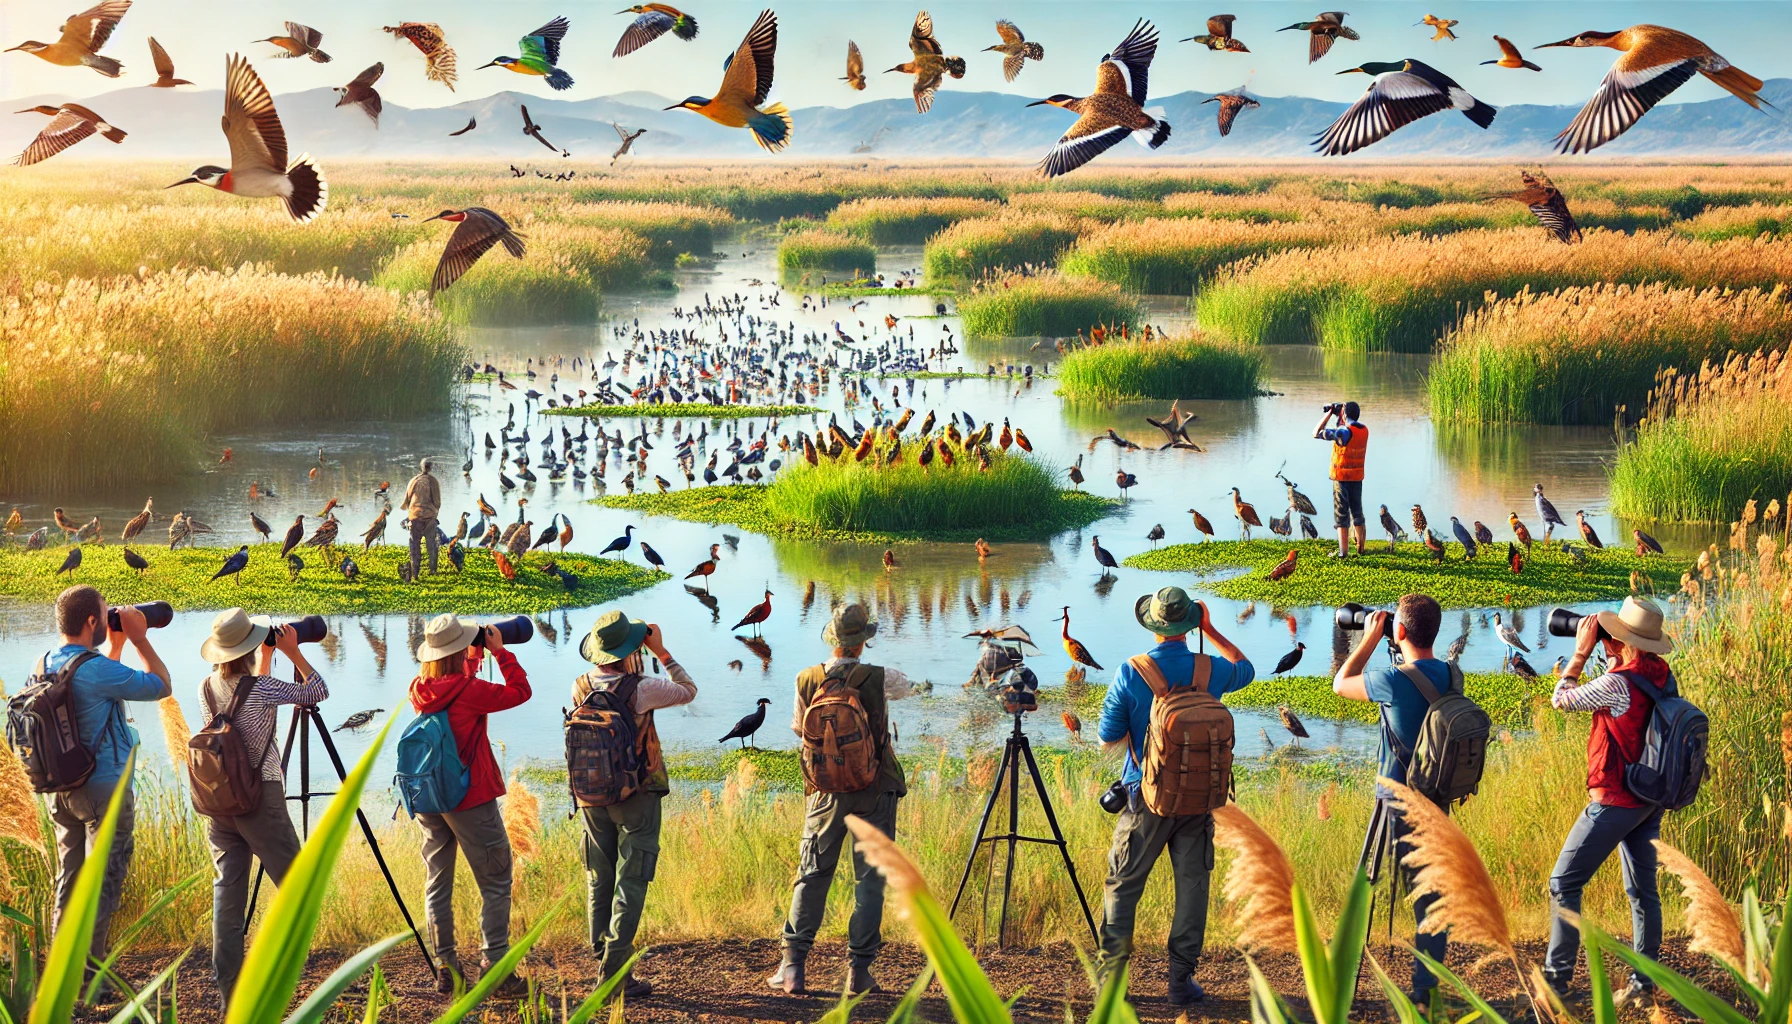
[(1164, 706), (843, 704), (622, 822), (243, 690), (1622, 702), (1405, 693), (423, 500), (98, 687), (1350, 448), (448, 681)]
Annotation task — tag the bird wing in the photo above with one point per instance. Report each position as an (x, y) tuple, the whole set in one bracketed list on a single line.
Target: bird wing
[(920, 38), (1623, 97), (251, 124), (855, 61), (1229, 108), (748, 71), (366, 78), (1010, 32), (91, 28), (643, 30), (472, 239), (927, 82), (1507, 49), (159, 57), (63, 131), (472, 123), (1221, 25), (544, 42), (1012, 65), (1133, 59), (620, 132), (1553, 214), (1081, 144), (304, 33), (1391, 102)]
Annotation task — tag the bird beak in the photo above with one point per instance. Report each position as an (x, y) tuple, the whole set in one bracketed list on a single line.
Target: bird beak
[(1040, 103), (9, 49), (183, 181), (674, 106), (1353, 71), (426, 220), (487, 64), (1566, 42)]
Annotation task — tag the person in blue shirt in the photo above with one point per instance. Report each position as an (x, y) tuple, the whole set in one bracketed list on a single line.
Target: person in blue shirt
[(1140, 836), (101, 686), (1403, 709)]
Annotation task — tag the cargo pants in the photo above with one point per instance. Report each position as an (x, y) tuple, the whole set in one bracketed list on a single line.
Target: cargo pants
[(824, 835), (1140, 837), (622, 851), (423, 535), (479, 834), (77, 815), (268, 836)]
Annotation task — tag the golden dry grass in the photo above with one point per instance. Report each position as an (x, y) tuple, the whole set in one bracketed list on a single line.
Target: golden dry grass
[(1449, 867), (1259, 881), (906, 220), (1715, 927), (175, 733), (522, 819)]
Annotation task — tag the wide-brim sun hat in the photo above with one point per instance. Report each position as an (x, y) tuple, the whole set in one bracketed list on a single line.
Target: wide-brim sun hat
[(850, 626), (445, 635), (613, 637), (1169, 612), (234, 634), (1638, 623)]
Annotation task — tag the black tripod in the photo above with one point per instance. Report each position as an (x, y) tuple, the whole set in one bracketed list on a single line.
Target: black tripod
[(1018, 747), (305, 719), (1379, 848)]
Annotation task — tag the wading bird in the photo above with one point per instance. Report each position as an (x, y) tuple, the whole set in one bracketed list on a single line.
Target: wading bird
[(621, 544), (1291, 723), (70, 563), (1419, 523), (1521, 667), (359, 720), (1519, 530), (1291, 659), (1113, 111), (258, 167), (164, 67), (82, 38), (540, 51), (135, 561), (438, 56), (1508, 636), (1586, 530), (1231, 103), (1202, 524), (1296, 500), (1285, 568), (294, 534), (132, 526), (756, 614), (1433, 545), (472, 123), (1463, 537), (1393, 530), (234, 565), (477, 230), (1403, 92), (855, 67), (654, 21), (1219, 35), (1155, 534), (1322, 32), (1547, 512), (928, 62), (746, 81), (1546, 203), (1074, 647), (1075, 473), (1510, 57), (1103, 557), (652, 557), (707, 567), (1654, 62), (1246, 514), (299, 41), (745, 728), (260, 525), (1443, 26), (1645, 544), (360, 92), (1482, 534), (1015, 48), (1072, 725), (69, 124), (628, 140)]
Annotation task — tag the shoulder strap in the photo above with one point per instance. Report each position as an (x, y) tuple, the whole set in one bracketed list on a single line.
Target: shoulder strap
[(1655, 693), (43, 663), (626, 687), (1147, 668), (1420, 681), (244, 684)]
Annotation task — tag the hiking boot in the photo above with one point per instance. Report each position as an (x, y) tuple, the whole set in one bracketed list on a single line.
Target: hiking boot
[(1337, 554), (860, 981), (635, 988), (445, 979), (1185, 990), (514, 987), (789, 978), (1635, 994)]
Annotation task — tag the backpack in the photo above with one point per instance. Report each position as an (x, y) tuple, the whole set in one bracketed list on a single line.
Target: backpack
[(604, 766), (840, 752), (1187, 767), (41, 727), (1674, 745), (431, 778), (1451, 751), (225, 781)]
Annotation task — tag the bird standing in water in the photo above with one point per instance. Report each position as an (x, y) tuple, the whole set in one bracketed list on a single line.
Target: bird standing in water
[(1546, 203), (360, 91), (654, 21), (746, 81), (540, 51), (1291, 659), (1113, 111), (1654, 61), (438, 56), (164, 67), (756, 614), (258, 167), (1015, 48), (1103, 557), (1219, 35), (477, 230), (1322, 32), (1291, 723), (1074, 647), (69, 124), (928, 62), (359, 720), (1508, 636), (1403, 92), (299, 41), (707, 567), (82, 38)]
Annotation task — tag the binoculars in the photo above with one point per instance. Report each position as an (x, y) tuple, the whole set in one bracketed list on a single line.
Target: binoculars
[(1113, 799), (1332, 407), (156, 613), (309, 630), (517, 629), (1563, 622), (1356, 616)]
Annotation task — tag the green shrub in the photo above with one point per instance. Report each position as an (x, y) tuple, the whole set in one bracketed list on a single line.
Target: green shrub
[(1044, 306), (1168, 368), (972, 249)]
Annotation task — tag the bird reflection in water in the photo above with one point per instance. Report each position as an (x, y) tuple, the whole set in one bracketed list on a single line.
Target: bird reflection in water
[(760, 649)]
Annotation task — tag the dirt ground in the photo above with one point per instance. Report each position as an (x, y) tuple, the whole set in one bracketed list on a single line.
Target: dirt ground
[(722, 982)]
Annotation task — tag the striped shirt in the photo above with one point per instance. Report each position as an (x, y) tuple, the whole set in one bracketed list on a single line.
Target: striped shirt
[(1610, 692), (260, 710)]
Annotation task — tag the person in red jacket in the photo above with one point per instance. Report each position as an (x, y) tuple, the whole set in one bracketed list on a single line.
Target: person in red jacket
[(448, 680)]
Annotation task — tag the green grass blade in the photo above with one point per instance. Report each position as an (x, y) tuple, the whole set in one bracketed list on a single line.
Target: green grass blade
[(1315, 961), (144, 920), (134, 1005), (1605, 1009), (841, 1013), (596, 1000), (276, 961), (495, 975), (1747, 987), (1779, 979), (1266, 1006), (1469, 995), (1680, 988), (910, 1001), (17, 916), (1405, 1011), (972, 998), (1755, 935), (324, 996), (1349, 937), (67, 960), (1111, 1006)]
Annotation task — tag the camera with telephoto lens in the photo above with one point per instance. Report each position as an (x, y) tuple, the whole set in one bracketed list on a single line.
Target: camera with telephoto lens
[(515, 630), (1563, 622), (309, 629), (1113, 799), (1334, 408), (1356, 616), (156, 614)]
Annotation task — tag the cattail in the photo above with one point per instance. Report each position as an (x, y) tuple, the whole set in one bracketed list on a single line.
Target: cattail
[(1260, 882), (18, 807), (522, 819), (175, 733), (1716, 930), (1449, 867)]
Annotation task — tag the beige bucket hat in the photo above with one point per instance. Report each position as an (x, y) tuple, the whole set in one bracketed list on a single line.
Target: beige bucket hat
[(1638, 623), (234, 634), (446, 634), (850, 626)]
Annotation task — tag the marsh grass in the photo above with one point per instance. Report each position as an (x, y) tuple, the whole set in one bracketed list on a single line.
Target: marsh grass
[(1173, 256), (682, 410), (1191, 367), (121, 382), (1581, 355), (1751, 221), (1093, 206), (973, 249), (558, 281), (905, 220), (1046, 305), (1713, 439), (826, 251), (671, 229)]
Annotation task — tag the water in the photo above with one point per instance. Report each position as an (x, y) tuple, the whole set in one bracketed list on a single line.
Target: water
[(939, 592)]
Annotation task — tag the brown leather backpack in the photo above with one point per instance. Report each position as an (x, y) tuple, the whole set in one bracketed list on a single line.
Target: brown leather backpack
[(840, 751), (1188, 746), (224, 778)]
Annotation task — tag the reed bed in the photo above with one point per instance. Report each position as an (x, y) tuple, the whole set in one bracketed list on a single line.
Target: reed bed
[(1170, 368), (1750, 221), (671, 229), (1278, 206), (558, 281), (826, 250), (906, 220), (108, 383), (1713, 438), (1173, 256), (1583, 355), (1090, 205), (1044, 305), (972, 249)]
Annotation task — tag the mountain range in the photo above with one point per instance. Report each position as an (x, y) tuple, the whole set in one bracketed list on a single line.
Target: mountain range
[(183, 124)]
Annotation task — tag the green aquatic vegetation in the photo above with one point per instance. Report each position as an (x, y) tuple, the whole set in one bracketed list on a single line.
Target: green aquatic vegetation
[(827, 251), (1239, 570), (682, 410), (971, 249), (559, 280), (183, 579), (905, 220), (1194, 367), (1046, 305)]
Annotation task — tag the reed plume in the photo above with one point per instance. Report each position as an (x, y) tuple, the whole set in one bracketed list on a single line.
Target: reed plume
[(19, 815), (1259, 882), (882, 853), (176, 733), (1449, 868), (1716, 930), (522, 819)]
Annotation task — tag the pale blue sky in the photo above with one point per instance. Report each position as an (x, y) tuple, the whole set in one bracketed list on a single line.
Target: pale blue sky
[(813, 35)]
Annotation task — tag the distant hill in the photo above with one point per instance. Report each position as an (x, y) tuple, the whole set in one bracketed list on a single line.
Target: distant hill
[(183, 124)]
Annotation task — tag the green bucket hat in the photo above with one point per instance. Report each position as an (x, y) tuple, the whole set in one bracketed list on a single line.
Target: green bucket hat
[(850, 626), (1169, 612), (613, 637)]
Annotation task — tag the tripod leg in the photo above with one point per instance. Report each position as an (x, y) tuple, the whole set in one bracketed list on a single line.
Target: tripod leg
[(1051, 817), (970, 859), (1012, 760), (260, 868)]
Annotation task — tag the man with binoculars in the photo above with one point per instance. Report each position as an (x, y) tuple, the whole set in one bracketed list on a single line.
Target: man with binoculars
[(1350, 449)]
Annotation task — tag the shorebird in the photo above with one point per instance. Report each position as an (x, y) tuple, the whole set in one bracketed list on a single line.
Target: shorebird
[(132, 526), (928, 62), (1645, 544), (1546, 203), (299, 41), (260, 525), (1463, 537), (1202, 524), (1443, 26), (258, 167), (1586, 530), (1510, 57), (746, 81), (70, 563), (1419, 523), (1113, 111), (1547, 512), (164, 67), (69, 124), (1433, 545), (477, 230), (1291, 723), (540, 51), (707, 567), (360, 92), (745, 728), (1103, 557), (855, 67), (234, 566), (533, 130), (82, 38), (1231, 103), (1519, 530), (1392, 528), (1219, 35), (1403, 92), (1291, 659), (1508, 636), (1322, 32), (756, 614), (654, 21), (1246, 513), (359, 720), (1015, 48), (1654, 62), (1285, 568), (294, 534), (438, 56), (1074, 647), (1296, 500)]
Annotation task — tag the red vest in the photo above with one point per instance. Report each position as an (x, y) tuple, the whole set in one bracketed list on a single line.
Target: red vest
[(1347, 458), (1615, 742)]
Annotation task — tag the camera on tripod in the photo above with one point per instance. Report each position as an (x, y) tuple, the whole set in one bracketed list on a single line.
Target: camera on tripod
[(309, 629), (1563, 622), (517, 629), (1356, 616), (156, 614)]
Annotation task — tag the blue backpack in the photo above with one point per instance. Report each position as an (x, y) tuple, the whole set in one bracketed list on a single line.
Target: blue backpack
[(431, 777), (1674, 748)]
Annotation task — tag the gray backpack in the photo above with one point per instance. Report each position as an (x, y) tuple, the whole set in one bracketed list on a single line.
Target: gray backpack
[(1451, 752)]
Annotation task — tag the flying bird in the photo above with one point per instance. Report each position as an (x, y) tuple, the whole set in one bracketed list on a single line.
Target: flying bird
[(1015, 48), (82, 38), (472, 123), (654, 21), (69, 124), (1546, 203), (1115, 110), (299, 41), (258, 167), (855, 67), (1654, 61), (1402, 92), (745, 728), (746, 81), (1443, 26), (438, 56), (164, 67), (1322, 32), (540, 51), (533, 130), (477, 230), (1510, 57), (928, 62), (1231, 103), (1219, 35), (360, 92), (628, 139)]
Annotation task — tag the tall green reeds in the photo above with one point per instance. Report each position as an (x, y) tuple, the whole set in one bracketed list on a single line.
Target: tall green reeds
[(905, 220), (829, 251), (972, 249), (905, 498), (1173, 256), (670, 228), (1168, 368), (558, 281), (1046, 305)]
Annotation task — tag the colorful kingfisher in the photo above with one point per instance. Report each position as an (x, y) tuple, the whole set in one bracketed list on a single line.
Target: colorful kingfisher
[(82, 37), (258, 150), (540, 53), (655, 21), (746, 81)]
